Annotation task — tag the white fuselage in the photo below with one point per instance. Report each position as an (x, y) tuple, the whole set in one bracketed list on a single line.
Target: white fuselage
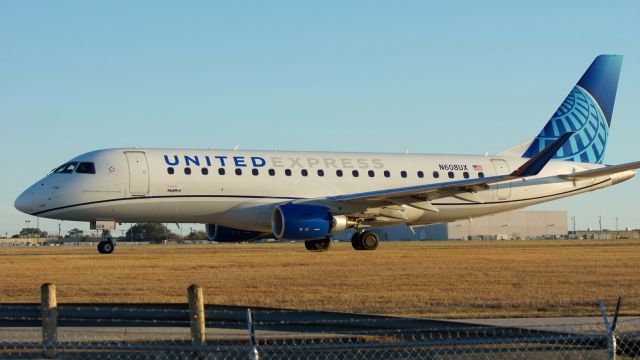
[(135, 185)]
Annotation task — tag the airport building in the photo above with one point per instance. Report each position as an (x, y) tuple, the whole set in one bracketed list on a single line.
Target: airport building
[(512, 225)]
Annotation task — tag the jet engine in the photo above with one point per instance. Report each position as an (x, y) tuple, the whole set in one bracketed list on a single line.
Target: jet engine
[(306, 222)]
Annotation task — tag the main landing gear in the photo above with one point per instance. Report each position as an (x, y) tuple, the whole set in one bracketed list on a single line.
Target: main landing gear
[(366, 240), (318, 245), (106, 245)]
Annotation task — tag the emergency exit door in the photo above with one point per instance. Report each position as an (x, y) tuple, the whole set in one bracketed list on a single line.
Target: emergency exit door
[(138, 172), (503, 189)]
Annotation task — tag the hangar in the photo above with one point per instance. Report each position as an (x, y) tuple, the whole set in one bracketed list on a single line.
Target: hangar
[(512, 225)]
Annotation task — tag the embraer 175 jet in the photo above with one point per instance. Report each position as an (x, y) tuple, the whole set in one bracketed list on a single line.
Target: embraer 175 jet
[(308, 196)]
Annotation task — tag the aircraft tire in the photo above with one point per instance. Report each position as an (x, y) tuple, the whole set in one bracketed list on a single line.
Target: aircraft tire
[(105, 247), (369, 241)]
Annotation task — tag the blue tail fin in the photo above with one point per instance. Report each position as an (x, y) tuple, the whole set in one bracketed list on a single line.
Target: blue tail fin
[(587, 112)]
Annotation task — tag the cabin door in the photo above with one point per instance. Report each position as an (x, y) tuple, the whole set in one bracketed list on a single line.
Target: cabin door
[(503, 189), (138, 173)]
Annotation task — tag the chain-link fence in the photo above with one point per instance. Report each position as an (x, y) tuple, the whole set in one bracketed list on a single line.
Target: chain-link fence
[(122, 331)]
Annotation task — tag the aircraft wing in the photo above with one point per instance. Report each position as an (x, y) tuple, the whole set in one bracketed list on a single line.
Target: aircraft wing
[(607, 170), (419, 196)]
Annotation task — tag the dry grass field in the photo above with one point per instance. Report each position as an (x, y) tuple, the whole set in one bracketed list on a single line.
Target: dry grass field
[(427, 279)]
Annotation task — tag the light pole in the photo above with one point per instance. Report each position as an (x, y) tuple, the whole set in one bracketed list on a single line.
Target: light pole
[(600, 223), (27, 222)]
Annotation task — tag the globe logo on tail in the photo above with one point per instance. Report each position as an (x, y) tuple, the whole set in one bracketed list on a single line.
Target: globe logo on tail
[(581, 114)]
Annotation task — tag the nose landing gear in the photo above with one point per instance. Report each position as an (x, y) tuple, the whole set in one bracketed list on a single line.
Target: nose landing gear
[(106, 244)]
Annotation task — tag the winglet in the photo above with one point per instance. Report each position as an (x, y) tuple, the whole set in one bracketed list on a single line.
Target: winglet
[(533, 166)]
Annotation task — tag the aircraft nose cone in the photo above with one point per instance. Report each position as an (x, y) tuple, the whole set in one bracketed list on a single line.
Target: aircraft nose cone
[(24, 202)]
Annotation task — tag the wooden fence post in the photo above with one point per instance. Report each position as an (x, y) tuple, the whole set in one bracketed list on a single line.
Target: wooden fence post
[(49, 312), (196, 315)]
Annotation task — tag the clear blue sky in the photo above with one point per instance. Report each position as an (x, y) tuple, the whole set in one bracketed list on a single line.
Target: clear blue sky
[(437, 77)]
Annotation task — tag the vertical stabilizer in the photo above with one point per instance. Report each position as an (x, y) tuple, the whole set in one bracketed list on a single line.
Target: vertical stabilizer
[(586, 111)]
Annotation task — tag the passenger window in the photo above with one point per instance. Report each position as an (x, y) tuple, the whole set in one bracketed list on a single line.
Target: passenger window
[(371, 173), (287, 172), (221, 171), (387, 173), (451, 175), (320, 172), (339, 173), (304, 172), (238, 171), (403, 174), (187, 171), (86, 168), (420, 174), (272, 172), (436, 174), (355, 173), (465, 175), (170, 171), (204, 171), (480, 174), (254, 172)]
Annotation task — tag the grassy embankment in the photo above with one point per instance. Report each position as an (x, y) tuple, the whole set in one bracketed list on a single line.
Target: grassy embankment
[(428, 279)]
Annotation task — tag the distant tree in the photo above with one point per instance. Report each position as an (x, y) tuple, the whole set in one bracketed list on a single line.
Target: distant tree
[(154, 232), (75, 233), (33, 232)]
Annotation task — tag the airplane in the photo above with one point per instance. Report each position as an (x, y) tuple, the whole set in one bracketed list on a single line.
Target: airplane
[(309, 196)]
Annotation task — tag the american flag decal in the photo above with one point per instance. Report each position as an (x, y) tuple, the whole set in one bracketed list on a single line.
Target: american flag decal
[(477, 167)]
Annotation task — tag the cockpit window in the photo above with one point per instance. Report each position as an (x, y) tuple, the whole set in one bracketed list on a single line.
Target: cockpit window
[(86, 168), (67, 168), (58, 169)]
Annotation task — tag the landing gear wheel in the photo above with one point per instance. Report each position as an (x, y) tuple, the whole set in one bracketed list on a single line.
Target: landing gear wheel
[(369, 240), (318, 245), (106, 247), (365, 241)]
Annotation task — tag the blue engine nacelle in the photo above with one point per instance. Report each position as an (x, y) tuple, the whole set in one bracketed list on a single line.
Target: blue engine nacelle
[(227, 234), (305, 222)]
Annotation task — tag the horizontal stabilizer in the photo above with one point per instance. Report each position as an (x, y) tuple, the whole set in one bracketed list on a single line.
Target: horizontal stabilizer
[(607, 170)]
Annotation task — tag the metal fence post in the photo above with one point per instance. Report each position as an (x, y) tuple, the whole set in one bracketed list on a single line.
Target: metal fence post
[(49, 313), (612, 343), (253, 349)]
